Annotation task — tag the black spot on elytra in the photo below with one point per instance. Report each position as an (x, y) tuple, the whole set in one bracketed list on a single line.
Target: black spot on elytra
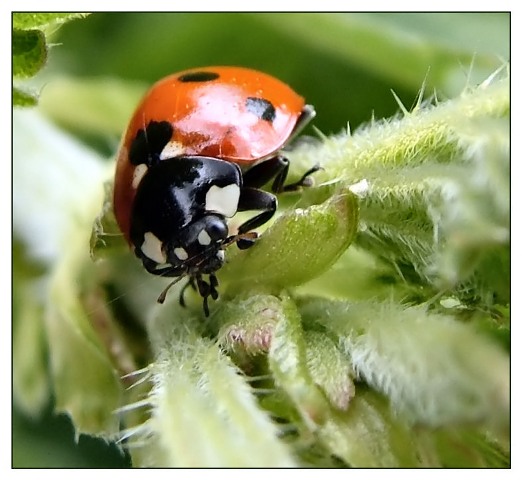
[(201, 76), (261, 107), (149, 143)]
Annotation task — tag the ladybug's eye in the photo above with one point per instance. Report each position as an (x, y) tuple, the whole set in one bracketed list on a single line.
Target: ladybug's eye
[(215, 229)]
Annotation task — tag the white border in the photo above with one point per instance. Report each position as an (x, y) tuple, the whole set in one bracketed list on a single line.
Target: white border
[(234, 5)]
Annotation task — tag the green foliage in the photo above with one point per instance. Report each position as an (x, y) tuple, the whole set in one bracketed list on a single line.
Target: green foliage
[(369, 325), (31, 383), (437, 207), (30, 48), (23, 99), (434, 370), (25, 21), (29, 52), (288, 255)]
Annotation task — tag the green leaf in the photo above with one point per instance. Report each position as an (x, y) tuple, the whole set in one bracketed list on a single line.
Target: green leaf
[(248, 328), (86, 384), (329, 369), (84, 370), (368, 435), (246, 325), (474, 213), (31, 382), (203, 414), (299, 246), (288, 364), (53, 224), (23, 99), (463, 448), (434, 370), (31, 385), (29, 52), (437, 202), (26, 20)]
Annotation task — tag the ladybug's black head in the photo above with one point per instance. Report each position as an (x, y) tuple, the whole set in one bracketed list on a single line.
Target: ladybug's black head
[(196, 248)]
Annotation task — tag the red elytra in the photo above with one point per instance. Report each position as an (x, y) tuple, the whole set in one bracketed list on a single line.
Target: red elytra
[(230, 113)]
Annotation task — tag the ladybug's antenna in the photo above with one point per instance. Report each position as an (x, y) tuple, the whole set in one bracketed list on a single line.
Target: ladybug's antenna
[(163, 294), (251, 236)]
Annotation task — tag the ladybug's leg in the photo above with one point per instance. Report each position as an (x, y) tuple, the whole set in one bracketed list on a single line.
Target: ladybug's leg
[(262, 173), (276, 168), (213, 284), (254, 199), (304, 119), (190, 283), (207, 289), (304, 181)]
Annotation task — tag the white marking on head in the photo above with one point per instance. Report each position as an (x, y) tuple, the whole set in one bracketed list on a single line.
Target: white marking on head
[(181, 253), (221, 255), (138, 174), (223, 200), (151, 248), (162, 265), (204, 238), (172, 149)]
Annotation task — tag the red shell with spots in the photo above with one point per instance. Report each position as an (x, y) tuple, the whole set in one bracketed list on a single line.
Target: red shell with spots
[(231, 113)]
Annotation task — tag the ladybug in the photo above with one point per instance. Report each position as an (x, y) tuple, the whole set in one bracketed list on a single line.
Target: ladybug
[(198, 149)]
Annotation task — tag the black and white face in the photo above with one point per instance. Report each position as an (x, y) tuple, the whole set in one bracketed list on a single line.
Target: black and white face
[(179, 220), (198, 246)]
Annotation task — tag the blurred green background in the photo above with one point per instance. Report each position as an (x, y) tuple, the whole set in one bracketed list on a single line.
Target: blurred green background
[(346, 65)]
